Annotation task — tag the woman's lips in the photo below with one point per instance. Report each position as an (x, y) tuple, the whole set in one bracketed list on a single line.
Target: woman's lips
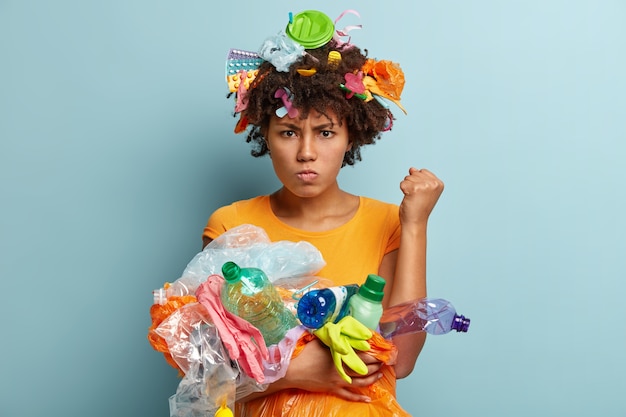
[(307, 175)]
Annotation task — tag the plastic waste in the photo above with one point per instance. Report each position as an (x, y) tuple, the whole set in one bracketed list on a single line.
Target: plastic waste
[(366, 305), (311, 29), (159, 313), (209, 376), (249, 294), (243, 341), (224, 411), (323, 305), (432, 315), (246, 245)]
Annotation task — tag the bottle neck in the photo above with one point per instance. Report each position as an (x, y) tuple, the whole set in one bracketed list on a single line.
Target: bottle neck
[(460, 323)]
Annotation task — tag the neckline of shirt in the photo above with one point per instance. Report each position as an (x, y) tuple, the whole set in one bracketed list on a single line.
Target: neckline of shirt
[(302, 232)]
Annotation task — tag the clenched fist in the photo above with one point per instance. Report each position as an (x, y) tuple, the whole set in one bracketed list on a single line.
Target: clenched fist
[(421, 190)]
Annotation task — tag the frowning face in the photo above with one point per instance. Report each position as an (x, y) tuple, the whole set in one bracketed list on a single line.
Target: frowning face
[(308, 153)]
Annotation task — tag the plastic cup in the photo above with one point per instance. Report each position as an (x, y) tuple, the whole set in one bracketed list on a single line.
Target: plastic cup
[(311, 29)]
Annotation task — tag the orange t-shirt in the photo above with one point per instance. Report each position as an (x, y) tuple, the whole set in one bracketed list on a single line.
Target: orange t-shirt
[(351, 251)]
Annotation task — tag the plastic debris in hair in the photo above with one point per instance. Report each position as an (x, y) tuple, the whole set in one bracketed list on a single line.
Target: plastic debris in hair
[(288, 108), (241, 66), (354, 85), (344, 33), (334, 59), (281, 51)]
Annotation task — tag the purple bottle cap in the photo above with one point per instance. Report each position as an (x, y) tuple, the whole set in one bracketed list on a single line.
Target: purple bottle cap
[(460, 323)]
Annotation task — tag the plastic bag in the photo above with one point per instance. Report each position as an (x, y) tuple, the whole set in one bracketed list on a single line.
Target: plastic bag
[(298, 403), (184, 332), (160, 312), (249, 246), (195, 346)]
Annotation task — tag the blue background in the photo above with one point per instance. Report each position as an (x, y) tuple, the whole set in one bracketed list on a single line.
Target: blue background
[(116, 144)]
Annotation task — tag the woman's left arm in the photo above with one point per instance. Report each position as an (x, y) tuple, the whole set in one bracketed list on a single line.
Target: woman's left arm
[(405, 268)]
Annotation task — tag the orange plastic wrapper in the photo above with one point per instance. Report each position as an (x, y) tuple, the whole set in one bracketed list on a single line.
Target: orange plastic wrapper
[(158, 313), (384, 78), (298, 403)]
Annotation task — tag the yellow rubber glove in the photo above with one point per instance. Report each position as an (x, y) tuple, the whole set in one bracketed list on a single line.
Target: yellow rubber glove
[(343, 338)]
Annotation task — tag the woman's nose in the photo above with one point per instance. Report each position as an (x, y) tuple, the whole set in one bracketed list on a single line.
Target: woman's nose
[(307, 150)]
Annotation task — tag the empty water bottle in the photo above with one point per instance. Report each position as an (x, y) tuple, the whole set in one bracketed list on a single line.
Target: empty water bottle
[(249, 294), (320, 306), (432, 315)]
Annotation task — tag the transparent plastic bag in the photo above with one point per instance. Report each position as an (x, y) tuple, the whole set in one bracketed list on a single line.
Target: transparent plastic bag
[(248, 245), (209, 377), (274, 368)]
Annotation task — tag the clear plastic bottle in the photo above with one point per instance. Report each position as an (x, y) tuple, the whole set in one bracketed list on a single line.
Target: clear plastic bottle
[(249, 294), (366, 305), (432, 315), (319, 306), (176, 289)]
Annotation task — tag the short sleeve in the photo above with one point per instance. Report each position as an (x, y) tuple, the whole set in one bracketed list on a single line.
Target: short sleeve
[(393, 243), (218, 222)]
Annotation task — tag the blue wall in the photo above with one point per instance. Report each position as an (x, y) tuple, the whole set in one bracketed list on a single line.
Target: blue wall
[(116, 144)]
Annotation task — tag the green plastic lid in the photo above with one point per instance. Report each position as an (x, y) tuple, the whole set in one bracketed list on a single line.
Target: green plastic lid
[(311, 29), (373, 288)]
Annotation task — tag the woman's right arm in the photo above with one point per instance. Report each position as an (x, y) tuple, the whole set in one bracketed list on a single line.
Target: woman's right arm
[(313, 370)]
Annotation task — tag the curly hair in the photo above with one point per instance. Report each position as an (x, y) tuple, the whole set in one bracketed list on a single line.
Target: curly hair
[(320, 92)]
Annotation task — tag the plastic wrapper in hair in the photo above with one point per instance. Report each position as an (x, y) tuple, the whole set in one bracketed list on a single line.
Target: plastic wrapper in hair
[(281, 51)]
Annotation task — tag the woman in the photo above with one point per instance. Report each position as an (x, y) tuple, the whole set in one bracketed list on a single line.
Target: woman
[(311, 109)]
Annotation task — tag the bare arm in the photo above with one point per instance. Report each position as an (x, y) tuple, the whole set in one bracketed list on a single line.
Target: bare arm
[(313, 370), (405, 268)]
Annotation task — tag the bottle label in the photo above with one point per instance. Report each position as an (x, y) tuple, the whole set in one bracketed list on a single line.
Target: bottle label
[(341, 295)]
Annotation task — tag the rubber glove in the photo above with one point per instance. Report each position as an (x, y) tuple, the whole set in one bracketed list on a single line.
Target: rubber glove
[(237, 334), (343, 338)]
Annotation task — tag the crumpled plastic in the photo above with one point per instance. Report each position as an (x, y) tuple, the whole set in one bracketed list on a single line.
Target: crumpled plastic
[(243, 341), (160, 312), (249, 245), (384, 78), (280, 355), (195, 345), (281, 51), (343, 338), (184, 331)]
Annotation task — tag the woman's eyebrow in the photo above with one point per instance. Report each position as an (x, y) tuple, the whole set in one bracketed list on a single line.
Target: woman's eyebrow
[(323, 126)]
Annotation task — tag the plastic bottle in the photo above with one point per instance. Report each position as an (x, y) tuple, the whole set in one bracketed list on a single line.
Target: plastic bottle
[(432, 315), (248, 293), (366, 305), (177, 289), (320, 306)]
